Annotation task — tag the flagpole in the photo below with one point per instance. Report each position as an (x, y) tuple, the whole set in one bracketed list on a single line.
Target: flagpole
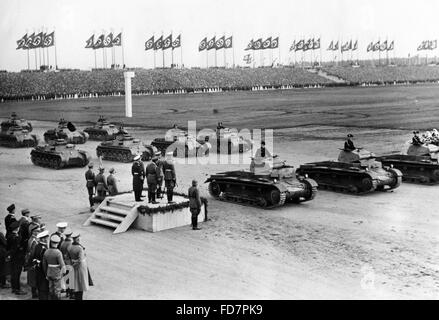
[(216, 64), (224, 49), (172, 52), (153, 48), (233, 53), (121, 45), (181, 52), (163, 53)]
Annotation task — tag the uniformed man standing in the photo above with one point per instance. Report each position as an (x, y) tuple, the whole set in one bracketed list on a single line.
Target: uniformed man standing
[(17, 253), (349, 144), (138, 172), (3, 255), (24, 223), (37, 260), (169, 176), (111, 183), (31, 274), (159, 163), (90, 184), (79, 262), (153, 175), (416, 140), (64, 248), (194, 204), (35, 221), (54, 267), (10, 217), (61, 227), (101, 184)]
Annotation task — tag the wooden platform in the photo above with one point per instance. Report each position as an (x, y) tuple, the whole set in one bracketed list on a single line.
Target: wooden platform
[(121, 211)]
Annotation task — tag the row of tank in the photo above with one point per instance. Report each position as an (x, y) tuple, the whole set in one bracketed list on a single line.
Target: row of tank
[(270, 182)]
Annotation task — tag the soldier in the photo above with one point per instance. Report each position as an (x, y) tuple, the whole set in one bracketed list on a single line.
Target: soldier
[(416, 140), (349, 144), (10, 217), (64, 248), (138, 172), (153, 176), (54, 267), (101, 184), (194, 204), (111, 183), (90, 184), (3, 255), (35, 221), (81, 275), (31, 273), (37, 261), (17, 253), (61, 226), (169, 175), (159, 163), (24, 223)]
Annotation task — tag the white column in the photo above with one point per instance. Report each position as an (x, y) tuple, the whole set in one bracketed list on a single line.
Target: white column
[(128, 101)]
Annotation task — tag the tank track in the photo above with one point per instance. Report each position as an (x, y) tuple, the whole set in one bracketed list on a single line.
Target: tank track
[(100, 136), (13, 143), (46, 160), (115, 155)]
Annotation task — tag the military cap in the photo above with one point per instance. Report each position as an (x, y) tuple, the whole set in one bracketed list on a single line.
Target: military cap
[(14, 225), (75, 235), (43, 234), (25, 211), (11, 208), (68, 232), (61, 225), (137, 157), (350, 135), (112, 170), (101, 169), (35, 217), (55, 238), (90, 165), (194, 182), (34, 227)]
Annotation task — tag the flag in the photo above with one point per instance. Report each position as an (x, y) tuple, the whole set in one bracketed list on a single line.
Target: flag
[(37, 41), (422, 46), (22, 42), (99, 42), (391, 46), (300, 45), (355, 46), (257, 45), (117, 41), (434, 44), (331, 46), (377, 46), (347, 46), (211, 44), (219, 43), (316, 45), (247, 58), (167, 42), (149, 44), (90, 42), (274, 43), (370, 47), (267, 43), (158, 44), (49, 40), (177, 42), (29, 40), (108, 41), (228, 43), (293, 46), (336, 46), (383, 46), (203, 45), (308, 45), (250, 45)]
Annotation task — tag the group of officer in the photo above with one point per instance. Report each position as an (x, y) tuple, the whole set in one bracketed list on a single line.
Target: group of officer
[(427, 137), (99, 184), (47, 258)]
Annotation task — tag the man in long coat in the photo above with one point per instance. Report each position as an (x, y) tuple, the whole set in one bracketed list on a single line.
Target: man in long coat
[(138, 172), (79, 262)]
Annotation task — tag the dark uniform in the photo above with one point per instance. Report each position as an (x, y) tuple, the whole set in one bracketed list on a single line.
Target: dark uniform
[(101, 185), (153, 176), (9, 219), (417, 141), (17, 253), (159, 164), (194, 205), (40, 275), (3, 255), (138, 172), (54, 267), (170, 178), (349, 145), (90, 178), (112, 185)]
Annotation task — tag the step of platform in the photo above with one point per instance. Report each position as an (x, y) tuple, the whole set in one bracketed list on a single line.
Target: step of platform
[(120, 205), (114, 210), (109, 216), (104, 222)]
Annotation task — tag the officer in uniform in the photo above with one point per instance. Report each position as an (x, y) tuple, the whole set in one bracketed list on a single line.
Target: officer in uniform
[(138, 172), (111, 183), (349, 144), (194, 204), (17, 253), (101, 184), (153, 176), (169, 176), (31, 275), (82, 279), (54, 267), (10, 217), (416, 140), (159, 163), (37, 260), (61, 228), (3, 255), (90, 184), (35, 221)]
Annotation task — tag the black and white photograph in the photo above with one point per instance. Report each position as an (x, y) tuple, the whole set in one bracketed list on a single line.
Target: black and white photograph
[(206, 150)]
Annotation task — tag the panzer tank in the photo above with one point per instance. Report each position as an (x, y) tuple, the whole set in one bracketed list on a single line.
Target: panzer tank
[(270, 183), (66, 131), (16, 137), (181, 144), (59, 155), (14, 121), (356, 172), (419, 164), (226, 140), (124, 148), (102, 130)]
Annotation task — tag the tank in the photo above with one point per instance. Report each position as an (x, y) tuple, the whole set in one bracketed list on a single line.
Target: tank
[(418, 165), (16, 137), (102, 130), (227, 141), (181, 144), (124, 148), (270, 183), (356, 172), (59, 155), (66, 131), (14, 121)]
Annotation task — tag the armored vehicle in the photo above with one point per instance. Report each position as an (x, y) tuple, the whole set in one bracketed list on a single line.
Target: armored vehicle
[(14, 121), (102, 130), (124, 148), (181, 144), (419, 164), (270, 183), (16, 137), (59, 155), (226, 140), (356, 172), (66, 131)]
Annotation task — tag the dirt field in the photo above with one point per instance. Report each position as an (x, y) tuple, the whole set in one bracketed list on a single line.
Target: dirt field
[(383, 245)]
